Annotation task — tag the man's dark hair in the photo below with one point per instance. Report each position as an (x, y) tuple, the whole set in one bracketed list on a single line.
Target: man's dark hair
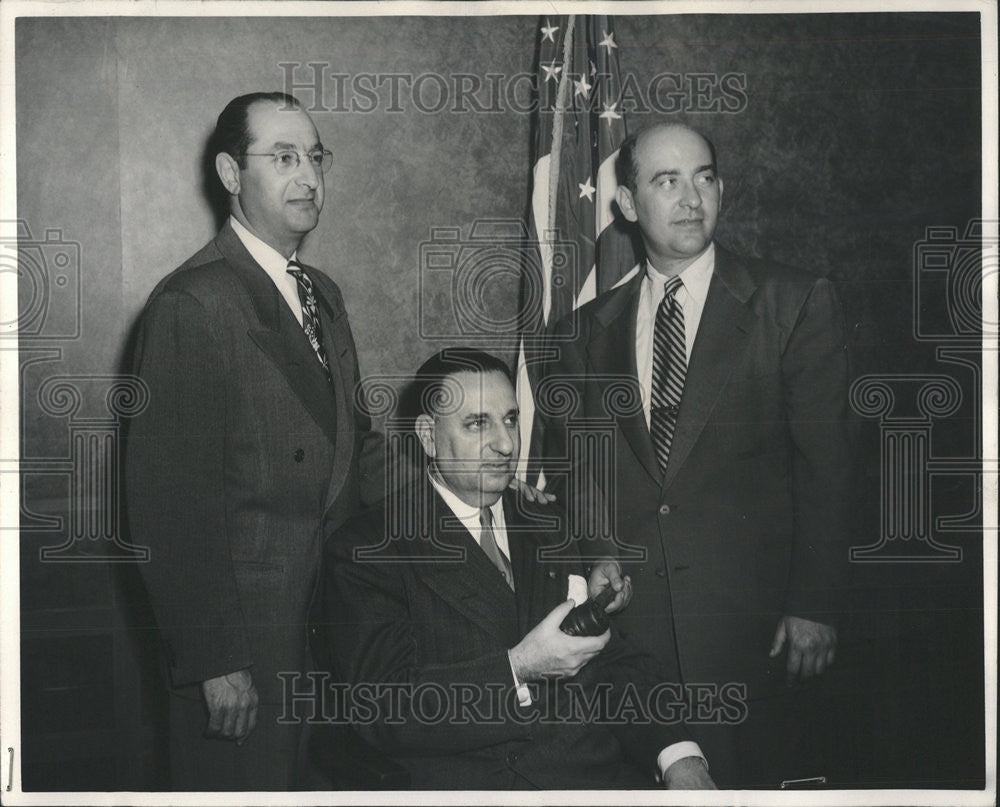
[(626, 168), (428, 391), (232, 129)]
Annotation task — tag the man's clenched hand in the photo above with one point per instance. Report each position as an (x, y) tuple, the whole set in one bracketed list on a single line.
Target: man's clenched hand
[(232, 706), (811, 646), (608, 572), (547, 651)]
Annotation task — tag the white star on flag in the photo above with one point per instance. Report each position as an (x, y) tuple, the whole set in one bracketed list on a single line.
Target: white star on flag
[(552, 71), (573, 183), (609, 113)]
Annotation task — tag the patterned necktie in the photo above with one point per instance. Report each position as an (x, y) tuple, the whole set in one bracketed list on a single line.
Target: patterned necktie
[(310, 313), (488, 541), (669, 368)]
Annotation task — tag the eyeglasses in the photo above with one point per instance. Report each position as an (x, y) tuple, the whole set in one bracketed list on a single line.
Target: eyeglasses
[(288, 160)]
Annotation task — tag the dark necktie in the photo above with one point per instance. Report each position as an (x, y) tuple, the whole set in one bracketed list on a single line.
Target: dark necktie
[(310, 313), (488, 541), (669, 369)]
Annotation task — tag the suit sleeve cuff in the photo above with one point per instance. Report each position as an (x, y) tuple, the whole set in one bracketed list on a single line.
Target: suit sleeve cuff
[(676, 752), (523, 694)]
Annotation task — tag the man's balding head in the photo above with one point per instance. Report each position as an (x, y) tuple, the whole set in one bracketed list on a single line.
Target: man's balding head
[(232, 129), (265, 143), (668, 186), (625, 167)]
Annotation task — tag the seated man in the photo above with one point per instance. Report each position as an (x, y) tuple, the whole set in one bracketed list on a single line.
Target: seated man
[(444, 606)]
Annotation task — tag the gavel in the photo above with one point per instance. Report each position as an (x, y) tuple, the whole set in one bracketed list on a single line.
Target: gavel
[(589, 618)]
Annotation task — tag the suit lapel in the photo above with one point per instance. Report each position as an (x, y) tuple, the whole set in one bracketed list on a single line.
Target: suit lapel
[(523, 560), (340, 354), (612, 354), (471, 585), (279, 336), (540, 585), (726, 321)]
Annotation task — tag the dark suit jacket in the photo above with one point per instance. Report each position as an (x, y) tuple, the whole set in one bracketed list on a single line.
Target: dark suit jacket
[(242, 451), (750, 520), (410, 614)]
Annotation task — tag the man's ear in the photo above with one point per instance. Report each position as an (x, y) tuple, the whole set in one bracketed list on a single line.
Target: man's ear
[(424, 427), (625, 202), (229, 172), (721, 188)]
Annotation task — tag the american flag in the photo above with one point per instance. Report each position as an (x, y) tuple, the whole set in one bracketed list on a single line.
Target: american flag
[(579, 126)]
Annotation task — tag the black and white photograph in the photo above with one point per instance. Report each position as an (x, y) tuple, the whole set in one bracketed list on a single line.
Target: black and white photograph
[(500, 403)]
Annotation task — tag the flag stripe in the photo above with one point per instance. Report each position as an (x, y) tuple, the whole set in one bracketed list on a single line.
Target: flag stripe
[(576, 248)]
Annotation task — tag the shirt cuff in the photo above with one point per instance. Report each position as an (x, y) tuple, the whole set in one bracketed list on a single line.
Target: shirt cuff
[(523, 693), (676, 752)]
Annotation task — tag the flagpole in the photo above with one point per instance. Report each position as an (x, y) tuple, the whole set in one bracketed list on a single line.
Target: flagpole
[(545, 248)]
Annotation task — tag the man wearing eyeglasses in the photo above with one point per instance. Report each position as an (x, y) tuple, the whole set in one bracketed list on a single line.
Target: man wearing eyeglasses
[(250, 439)]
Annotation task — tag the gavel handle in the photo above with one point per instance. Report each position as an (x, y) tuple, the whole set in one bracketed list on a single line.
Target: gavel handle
[(605, 597)]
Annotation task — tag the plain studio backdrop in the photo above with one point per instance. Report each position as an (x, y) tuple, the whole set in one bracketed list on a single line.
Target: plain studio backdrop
[(850, 135)]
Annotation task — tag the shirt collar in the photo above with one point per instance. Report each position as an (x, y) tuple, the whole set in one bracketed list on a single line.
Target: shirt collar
[(696, 276), (465, 512), (270, 260)]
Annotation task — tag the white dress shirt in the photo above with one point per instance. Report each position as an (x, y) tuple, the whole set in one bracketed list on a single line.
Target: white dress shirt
[(274, 263), (469, 516), (690, 297)]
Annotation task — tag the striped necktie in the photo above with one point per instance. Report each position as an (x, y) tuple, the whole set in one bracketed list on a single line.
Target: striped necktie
[(669, 369), (488, 541), (310, 313)]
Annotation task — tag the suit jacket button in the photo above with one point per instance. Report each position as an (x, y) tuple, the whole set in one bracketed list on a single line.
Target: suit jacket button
[(511, 757), (664, 509), (300, 455), (660, 572)]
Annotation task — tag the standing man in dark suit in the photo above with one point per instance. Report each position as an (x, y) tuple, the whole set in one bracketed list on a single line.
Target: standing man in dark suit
[(250, 440), (732, 471), (448, 632)]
